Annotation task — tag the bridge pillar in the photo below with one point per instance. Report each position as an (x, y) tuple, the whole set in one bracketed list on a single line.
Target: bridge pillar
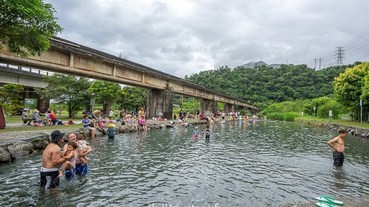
[(229, 108), (208, 106), (253, 111), (43, 105), (159, 101)]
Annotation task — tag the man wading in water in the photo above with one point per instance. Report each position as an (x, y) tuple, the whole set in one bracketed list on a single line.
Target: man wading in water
[(338, 146), (52, 159)]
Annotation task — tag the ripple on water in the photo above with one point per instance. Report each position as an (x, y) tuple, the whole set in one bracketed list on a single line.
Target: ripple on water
[(262, 164)]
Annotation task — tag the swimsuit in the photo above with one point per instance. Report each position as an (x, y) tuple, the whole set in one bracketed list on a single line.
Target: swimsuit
[(81, 169), (338, 158), (49, 177), (207, 135)]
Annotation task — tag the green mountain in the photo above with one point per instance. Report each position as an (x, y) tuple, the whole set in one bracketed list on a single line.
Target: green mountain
[(267, 84)]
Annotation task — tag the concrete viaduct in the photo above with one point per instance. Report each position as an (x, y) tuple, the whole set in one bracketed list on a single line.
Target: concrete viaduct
[(71, 58)]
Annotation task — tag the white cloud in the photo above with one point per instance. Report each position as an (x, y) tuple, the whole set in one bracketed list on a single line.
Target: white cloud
[(183, 37)]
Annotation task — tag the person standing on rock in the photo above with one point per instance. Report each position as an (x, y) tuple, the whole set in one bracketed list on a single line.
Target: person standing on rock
[(338, 146), (51, 160)]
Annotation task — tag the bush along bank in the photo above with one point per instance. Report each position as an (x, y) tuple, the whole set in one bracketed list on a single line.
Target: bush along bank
[(359, 132), (289, 116)]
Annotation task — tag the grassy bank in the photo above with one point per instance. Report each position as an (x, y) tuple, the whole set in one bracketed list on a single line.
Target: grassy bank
[(41, 128), (343, 122)]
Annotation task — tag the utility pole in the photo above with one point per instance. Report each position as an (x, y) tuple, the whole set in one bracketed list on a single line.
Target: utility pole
[(340, 52)]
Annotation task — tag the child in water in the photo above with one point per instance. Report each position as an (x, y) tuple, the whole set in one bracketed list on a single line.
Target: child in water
[(82, 150), (111, 131), (70, 155), (207, 134), (196, 133)]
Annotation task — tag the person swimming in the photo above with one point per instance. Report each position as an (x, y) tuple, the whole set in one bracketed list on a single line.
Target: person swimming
[(207, 134), (196, 133)]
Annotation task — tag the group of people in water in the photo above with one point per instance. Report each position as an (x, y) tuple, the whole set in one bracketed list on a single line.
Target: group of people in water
[(73, 160)]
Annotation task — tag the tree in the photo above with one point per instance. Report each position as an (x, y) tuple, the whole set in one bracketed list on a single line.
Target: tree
[(67, 89), (348, 87), (27, 25), (132, 97), (106, 92), (9, 97)]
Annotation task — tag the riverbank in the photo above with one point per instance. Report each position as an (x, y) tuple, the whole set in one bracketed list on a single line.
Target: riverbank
[(331, 125)]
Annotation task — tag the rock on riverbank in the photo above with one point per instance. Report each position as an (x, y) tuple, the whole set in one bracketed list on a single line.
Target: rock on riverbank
[(363, 133)]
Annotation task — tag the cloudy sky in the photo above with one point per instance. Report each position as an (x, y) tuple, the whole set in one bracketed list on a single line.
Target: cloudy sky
[(182, 37)]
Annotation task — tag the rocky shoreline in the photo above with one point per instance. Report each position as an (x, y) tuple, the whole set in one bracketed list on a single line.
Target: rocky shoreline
[(19, 144), (355, 131)]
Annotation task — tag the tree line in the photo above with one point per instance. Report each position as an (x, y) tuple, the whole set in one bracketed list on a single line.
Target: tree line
[(294, 88)]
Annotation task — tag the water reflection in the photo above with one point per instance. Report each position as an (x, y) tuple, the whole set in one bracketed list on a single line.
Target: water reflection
[(260, 164)]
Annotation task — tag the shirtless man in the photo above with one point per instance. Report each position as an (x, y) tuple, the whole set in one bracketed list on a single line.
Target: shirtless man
[(338, 146), (52, 159)]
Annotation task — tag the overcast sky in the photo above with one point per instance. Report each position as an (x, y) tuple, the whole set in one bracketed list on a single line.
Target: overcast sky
[(182, 37)]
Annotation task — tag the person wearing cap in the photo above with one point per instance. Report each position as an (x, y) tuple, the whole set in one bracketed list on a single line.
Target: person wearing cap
[(51, 160), (111, 131), (338, 146), (25, 117)]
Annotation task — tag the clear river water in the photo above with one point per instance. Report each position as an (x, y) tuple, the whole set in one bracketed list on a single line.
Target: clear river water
[(261, 164)]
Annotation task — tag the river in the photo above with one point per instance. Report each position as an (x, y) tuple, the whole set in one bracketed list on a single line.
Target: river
[(261, 164)]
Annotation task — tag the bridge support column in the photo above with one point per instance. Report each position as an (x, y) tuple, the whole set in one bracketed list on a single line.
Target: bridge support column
[(159, 101), (253, 111), (43, 105), (208, 106), (229, 108)]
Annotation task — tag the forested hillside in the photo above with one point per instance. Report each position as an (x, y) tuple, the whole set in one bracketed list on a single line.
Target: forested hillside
[(265, 85)]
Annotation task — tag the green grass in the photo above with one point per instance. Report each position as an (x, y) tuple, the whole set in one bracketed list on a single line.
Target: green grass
[(41, 128), (344, 122), (63, 117), (15, 123)]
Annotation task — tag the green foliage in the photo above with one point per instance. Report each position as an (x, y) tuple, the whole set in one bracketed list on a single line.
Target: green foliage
[(9, 98), (27, 25), (265, 85), (66, 89), (286, 106), (106, 92), (349, 87), (191, 105), (131, 98), (365, 90), (323, 110), (290, 116)]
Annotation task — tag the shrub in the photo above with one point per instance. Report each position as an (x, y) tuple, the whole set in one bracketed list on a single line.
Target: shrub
[(290, 116)]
